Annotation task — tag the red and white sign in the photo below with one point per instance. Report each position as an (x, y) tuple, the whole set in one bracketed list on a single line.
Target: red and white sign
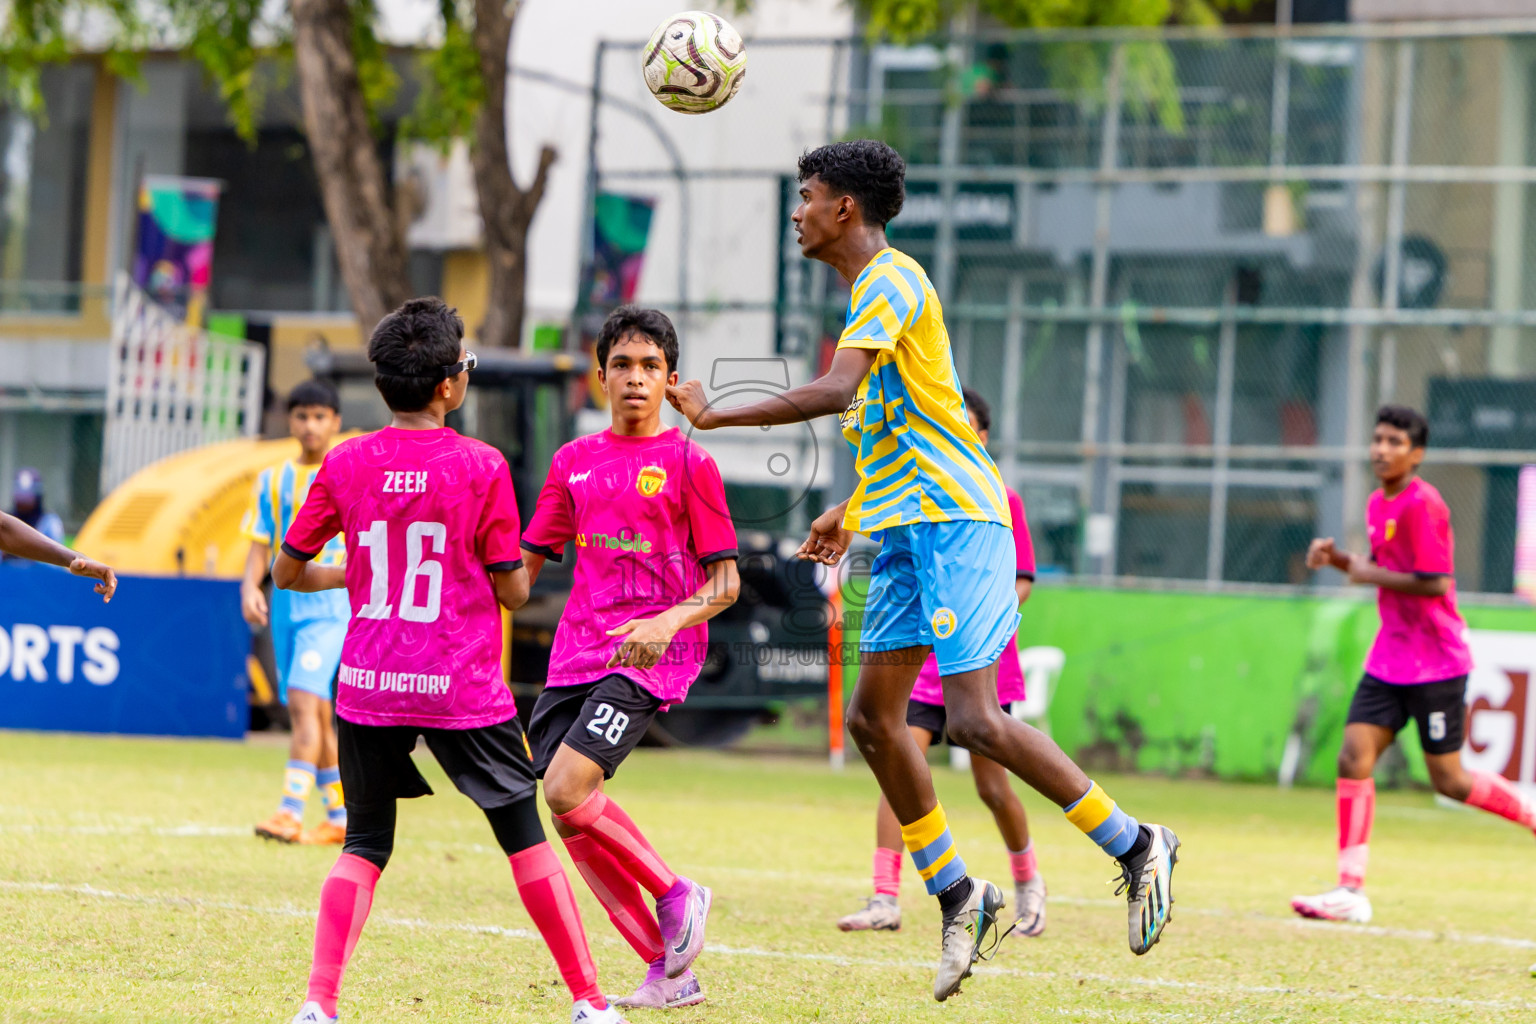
[(1501, 706)]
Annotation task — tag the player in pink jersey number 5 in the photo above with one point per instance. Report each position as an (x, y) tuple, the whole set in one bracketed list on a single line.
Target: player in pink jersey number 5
[(432, 534), (1417, 668)]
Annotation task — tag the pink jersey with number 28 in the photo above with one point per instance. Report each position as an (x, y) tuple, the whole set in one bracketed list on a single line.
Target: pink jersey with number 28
[(1010, 677), (1422, 639), (646, 514), (427, 515)]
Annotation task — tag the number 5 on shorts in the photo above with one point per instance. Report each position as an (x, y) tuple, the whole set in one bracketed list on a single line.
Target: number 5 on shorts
[(608, 724)]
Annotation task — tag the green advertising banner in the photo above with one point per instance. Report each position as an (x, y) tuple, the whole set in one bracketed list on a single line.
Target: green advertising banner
[(1232, 686)]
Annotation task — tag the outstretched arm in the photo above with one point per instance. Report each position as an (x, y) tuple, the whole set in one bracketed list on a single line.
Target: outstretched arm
[(827, 395), (19, 539)]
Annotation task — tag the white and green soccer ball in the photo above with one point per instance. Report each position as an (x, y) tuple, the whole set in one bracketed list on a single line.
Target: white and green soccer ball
[(695, 62)]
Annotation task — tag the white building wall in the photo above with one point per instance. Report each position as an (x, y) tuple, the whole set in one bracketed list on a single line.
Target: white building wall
[(735, 223)]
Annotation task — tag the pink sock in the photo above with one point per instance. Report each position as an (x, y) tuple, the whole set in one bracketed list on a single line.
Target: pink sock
[(344, 901), (1497, 795), (612, 829), (1024, 864), (1357, 808), (547, 895), (626, 903), (887, 871)]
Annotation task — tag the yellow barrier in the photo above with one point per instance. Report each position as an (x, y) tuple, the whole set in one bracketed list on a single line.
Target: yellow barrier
[(181, 515)]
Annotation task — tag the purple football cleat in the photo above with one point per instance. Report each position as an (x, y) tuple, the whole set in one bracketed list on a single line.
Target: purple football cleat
[(659, 992), (681, 914)]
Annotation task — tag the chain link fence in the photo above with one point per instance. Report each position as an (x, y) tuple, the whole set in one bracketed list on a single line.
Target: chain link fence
[(1184, 268)]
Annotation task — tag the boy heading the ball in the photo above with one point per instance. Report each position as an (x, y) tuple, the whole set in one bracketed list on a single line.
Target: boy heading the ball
[(926, 720), (431, 531), (1417, 668), (931, 495), (657, 561)]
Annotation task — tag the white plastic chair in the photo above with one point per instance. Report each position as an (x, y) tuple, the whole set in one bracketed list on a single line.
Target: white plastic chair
[(1042, 668)]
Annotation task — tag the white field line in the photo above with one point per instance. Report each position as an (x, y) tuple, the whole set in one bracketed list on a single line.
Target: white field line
[(1290, 992), (191, 830)]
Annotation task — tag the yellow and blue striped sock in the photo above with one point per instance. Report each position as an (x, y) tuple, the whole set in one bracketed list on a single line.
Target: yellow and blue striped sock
[(298, 780), (933, 851), (1102, 820), (328, 781)]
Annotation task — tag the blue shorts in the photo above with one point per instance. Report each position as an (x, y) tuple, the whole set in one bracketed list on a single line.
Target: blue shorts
[(307, 654), (948, 586)]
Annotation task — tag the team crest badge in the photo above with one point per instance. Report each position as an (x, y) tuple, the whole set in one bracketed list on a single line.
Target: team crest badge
[(944, 622), (1391, 528), (652, 479)]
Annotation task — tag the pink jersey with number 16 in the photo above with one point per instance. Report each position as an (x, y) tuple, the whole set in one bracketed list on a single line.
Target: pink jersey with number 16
[(427, 515)]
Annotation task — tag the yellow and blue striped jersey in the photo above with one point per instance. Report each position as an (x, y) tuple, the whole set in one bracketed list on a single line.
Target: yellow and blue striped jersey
[(919, 461), (275, 501)]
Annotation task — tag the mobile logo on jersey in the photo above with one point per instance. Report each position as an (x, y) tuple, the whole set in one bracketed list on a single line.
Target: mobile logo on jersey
[(651, 480), (944, 623)]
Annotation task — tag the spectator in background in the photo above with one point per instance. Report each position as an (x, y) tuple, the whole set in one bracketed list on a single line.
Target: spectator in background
[(27, 505)]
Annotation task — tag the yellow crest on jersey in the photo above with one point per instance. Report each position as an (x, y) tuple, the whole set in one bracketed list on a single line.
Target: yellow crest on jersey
[(944, 623), (1391, 528), (651, 480)]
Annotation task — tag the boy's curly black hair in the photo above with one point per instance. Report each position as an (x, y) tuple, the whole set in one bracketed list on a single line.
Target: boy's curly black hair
[(1409, 421), (871, 172)]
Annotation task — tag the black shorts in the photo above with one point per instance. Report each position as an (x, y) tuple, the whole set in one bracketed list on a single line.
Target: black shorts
[(490, 765), (933, 718), (1439, 708), (603, 721)]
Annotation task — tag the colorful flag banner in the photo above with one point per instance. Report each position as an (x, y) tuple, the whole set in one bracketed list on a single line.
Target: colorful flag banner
[(173, 257)]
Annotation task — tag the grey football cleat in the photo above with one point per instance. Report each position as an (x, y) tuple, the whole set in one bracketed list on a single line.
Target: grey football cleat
[(880, 914), (964, 933), (1148, 886), (1029, 907)]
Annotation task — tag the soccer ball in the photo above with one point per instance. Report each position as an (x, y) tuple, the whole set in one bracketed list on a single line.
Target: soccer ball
[(694, 62)]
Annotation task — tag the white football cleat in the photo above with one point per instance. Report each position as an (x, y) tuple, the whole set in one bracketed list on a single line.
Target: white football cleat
[(880, 914), (964, 933), (1339, 904), (312, 1014), (583, 1012), (1029, 907)]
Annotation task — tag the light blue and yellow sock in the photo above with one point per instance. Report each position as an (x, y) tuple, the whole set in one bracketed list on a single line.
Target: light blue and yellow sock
[(1102, 820), (328, 781), (298, 780), (933, 851)]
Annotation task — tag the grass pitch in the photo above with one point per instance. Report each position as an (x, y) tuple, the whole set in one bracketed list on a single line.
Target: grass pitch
[(134, 891)]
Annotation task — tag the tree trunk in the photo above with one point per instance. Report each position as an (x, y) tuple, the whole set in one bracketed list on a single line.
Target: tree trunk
[(353, 187), (505, 208)]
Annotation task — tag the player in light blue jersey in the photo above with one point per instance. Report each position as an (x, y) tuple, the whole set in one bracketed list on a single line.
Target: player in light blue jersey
[(931, 496), (307, 629)]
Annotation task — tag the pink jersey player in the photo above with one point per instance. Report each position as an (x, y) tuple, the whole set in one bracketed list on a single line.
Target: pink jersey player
[(655, 548), (426, 515), (647, 515), (1417, 668), (1010, 680), (1422, 638), (431, 531)]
